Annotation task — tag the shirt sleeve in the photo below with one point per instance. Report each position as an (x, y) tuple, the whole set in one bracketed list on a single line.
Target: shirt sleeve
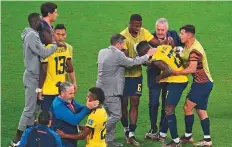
[(147, 35), (195, 55), (63, 113), (91, 121), (129, 62), (70, 51), (37, 47), (23, 141)]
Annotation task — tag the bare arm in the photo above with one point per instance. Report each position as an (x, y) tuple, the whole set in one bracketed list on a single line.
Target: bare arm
[(85, 132), (43, 74), (189, 70), (194, 57), (71, 72), (164, 67)]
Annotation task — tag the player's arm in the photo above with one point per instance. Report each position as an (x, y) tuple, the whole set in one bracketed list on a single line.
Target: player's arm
[(42, 76), (194, 57), (164, 67), (43, 73), (81, 136), (69, 69)]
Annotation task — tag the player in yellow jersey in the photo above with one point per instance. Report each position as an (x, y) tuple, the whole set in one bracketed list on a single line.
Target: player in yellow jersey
[(60, 34), (95, 129), (166, 59), (134, 33), (52, 71), (196, 64)]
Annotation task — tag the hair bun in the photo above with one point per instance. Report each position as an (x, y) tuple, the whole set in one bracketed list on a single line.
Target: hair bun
[(58, 84)]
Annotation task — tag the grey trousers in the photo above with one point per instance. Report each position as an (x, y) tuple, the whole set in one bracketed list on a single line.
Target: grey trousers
[(31, 108), (113, 108)]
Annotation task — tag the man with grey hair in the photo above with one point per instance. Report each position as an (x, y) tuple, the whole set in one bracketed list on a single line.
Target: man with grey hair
[(111, 77), (162, 33), (67, 113)]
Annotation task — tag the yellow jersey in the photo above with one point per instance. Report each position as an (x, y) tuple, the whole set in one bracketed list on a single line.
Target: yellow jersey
[(197, 53), (166, 54), (97, 123), (55, 70), (130, 41), (70, 49)]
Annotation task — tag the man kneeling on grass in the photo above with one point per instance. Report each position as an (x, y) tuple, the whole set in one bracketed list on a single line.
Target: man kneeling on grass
[(95, 128)]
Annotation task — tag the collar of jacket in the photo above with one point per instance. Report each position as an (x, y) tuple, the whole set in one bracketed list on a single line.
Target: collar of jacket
[(112, 47)]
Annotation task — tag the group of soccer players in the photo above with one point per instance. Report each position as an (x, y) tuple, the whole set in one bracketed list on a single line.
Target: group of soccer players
[(168, 69), (175, 64)]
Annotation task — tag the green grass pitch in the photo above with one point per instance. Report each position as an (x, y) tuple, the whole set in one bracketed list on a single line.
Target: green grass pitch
[(89, 26)]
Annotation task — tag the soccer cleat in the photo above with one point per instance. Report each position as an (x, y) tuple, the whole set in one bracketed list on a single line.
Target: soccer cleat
[(159, 138), (126, 135), (184, 139), (150, 134), (132, 140), (13, 144), (204, 143), (172, 144)]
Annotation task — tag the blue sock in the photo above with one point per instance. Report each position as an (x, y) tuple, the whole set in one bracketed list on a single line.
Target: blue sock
[(132, 127), (164, 126), (124, 122), (189, 120), (153, 113), (172, 126), (205, 126)]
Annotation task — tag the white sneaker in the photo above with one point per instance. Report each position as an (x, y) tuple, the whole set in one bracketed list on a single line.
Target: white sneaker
[(12, 144)]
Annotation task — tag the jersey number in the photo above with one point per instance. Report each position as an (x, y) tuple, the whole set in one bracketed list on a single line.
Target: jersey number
[(177, 60), (103, 133), (60, 64), (139, 88)]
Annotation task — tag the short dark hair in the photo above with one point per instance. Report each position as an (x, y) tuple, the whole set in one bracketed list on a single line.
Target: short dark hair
[(142, 45), (47, 7), (60, 27), (44, 117), (136, 17), (188, 28), (117, 38), (32, 17), (99, 94)]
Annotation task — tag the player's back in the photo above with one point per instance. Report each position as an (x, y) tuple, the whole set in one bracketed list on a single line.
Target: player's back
[(56, 64), (97, 123), (166, 53)]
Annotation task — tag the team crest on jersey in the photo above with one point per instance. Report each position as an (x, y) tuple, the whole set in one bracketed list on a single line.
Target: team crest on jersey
[(90, 121)]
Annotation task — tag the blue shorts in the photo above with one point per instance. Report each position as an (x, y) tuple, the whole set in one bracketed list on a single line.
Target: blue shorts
[(47, 102), (199, 94), (174, 93), (133, 86), (154, 93)]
